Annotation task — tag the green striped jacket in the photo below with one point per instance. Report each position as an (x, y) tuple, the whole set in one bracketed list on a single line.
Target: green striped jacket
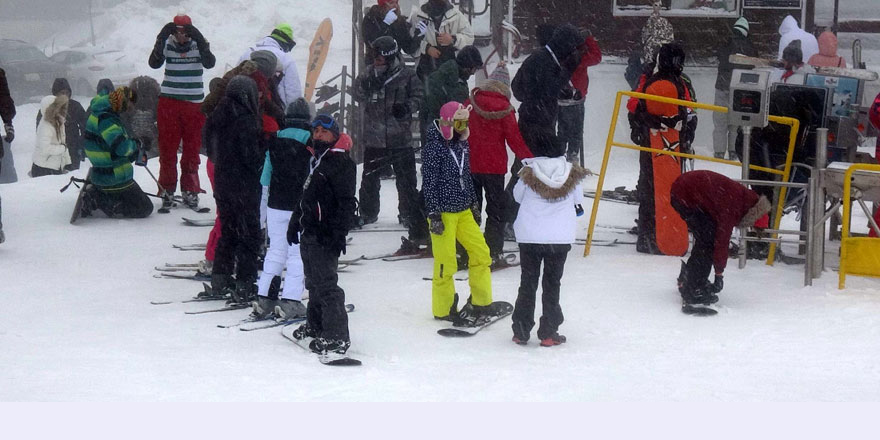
[(183, 72), (108, 146)]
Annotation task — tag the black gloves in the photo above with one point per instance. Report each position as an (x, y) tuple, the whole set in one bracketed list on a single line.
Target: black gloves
[(372, 83), (718, 284), (194, 33), (337, 242), (293, 230), (436, 223), (400, 111), (166, 32), (10, 133)]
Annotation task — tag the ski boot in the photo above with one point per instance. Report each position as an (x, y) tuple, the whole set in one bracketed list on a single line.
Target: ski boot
[(290, 309), (453, 311), (206, 267), (191, 200), (167, 202), (264, 307), (323, 346), (410, 247), (221, 287), (244, 292), (304, 331)]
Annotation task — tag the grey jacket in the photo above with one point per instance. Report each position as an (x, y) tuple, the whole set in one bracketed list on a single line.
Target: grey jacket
[(389, 101)]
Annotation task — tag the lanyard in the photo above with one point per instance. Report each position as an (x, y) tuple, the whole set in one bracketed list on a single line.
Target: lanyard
[(313, 165), (458, 163), (553, 55)]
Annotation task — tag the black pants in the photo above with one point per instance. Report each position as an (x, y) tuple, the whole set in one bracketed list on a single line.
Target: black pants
[(553, 256), (240, 238), (403, 161), (702, 226), (497, 201), (326, 308), (38, 171), (542, 141), (570, 128), (512, 205), (130, 202), (647, 239)]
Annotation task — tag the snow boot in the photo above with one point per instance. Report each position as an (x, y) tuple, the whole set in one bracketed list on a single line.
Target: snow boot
[(263, 307), (453, 311), (554, 339), (222, 286), (325, 346), (701, 296), (473, 316), (304, 331), (520, 334), (245, 291), (290, 309)]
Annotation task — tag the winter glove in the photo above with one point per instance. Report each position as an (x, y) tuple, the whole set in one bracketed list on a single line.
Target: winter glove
[(372, 84), (718, 284), (337, 242), (293, 230), (10, 133), (436, 223), (422, 28), (400, 111), (197, 36), (578, 209), (390, 17), (166, 32)]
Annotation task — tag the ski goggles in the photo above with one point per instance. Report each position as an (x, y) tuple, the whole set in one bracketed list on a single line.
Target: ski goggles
[(457, 124), (325, 121)]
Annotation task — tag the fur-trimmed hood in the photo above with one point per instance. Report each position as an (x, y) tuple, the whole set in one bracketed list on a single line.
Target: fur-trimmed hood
[(552, 178), (490, 105), (761, 207), (54, 110)]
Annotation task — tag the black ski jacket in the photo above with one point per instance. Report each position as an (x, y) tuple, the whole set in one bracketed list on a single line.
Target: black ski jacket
[(289, 156), (234, 134)]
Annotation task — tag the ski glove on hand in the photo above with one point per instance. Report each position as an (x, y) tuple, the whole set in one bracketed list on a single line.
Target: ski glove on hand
[(10, 133), (436, 222), (390, 17), (293, 230), (166, 32), (400, 111), (421, 28), (718, 284), (194, 33)]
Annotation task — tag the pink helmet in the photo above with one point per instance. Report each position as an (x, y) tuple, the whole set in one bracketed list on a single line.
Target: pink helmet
[(452, 111)]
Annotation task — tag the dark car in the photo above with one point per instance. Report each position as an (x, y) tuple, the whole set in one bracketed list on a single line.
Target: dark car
[(28, 70)]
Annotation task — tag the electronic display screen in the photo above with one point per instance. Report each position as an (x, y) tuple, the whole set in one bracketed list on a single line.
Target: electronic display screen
[(749, 78), (747, 101)]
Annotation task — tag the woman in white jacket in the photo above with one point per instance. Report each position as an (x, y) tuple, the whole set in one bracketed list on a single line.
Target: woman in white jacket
[(50, 153), (548, 191)]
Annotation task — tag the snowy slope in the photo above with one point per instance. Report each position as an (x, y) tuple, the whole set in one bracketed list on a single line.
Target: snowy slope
[(77, 324)]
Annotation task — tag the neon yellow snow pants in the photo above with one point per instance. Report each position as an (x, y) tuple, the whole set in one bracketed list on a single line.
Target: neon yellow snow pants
[(460, 226)]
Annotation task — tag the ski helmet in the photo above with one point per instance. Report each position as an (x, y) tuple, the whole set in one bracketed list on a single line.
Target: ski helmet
[(671, 59)]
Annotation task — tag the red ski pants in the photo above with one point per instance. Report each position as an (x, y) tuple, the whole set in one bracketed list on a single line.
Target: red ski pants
[(214, 236), (179, 121)]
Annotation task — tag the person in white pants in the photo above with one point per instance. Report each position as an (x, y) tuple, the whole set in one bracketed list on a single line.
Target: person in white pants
[(288, 167)]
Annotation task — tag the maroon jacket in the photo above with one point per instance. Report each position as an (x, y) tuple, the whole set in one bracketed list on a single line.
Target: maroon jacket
[(725, 200), (590, 56)]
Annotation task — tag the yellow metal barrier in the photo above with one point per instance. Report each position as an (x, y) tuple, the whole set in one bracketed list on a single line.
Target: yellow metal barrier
[(863, 251), (785, 173)]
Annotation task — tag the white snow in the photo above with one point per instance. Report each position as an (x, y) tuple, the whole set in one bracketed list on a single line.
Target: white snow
[(76, 322)]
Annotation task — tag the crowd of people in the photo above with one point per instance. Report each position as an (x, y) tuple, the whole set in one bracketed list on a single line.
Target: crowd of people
[(281, 173)]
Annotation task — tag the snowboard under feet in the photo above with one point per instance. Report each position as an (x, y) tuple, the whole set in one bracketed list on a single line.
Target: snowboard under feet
[(505, 309), (697, 310)]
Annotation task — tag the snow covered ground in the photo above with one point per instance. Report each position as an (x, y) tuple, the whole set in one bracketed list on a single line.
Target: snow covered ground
[(77, 323)]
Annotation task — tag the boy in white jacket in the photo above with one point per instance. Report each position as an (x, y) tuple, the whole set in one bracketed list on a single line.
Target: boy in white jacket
[(50, 151), (547, 191)]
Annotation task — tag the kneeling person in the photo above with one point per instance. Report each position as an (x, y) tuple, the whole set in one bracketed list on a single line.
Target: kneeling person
[(111, 152)]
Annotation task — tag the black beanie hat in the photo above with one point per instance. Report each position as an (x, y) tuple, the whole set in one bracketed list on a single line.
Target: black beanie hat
[(469, 58), (298, 111)]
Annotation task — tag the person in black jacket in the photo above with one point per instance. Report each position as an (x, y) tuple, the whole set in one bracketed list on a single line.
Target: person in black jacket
[(320, 224), (385, 19), (234, 132), (723, 136), (7, 112), (538, 85), (289, 165), (74, 124), (390, 91)]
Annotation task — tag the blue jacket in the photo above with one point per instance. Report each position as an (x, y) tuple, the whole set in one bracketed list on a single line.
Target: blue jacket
[(441, 177)]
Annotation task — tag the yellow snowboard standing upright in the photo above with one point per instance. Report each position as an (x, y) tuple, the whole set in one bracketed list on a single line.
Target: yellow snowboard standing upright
[(317, 55)]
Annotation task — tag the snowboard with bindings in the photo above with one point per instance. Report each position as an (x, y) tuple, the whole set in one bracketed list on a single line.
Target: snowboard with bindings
[(274, 321), (77, 208), (697, 310), (505, 309), (317, 55), (332, 359), (670, 230)]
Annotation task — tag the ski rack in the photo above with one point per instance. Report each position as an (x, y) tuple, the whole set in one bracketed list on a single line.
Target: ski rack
[(793, 123)]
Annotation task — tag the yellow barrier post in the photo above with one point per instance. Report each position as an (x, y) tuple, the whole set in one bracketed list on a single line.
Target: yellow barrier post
[(847, 212), (793, 123)]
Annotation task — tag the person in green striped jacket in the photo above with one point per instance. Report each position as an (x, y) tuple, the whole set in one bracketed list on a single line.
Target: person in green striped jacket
[(111, 151), (186, 54)]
